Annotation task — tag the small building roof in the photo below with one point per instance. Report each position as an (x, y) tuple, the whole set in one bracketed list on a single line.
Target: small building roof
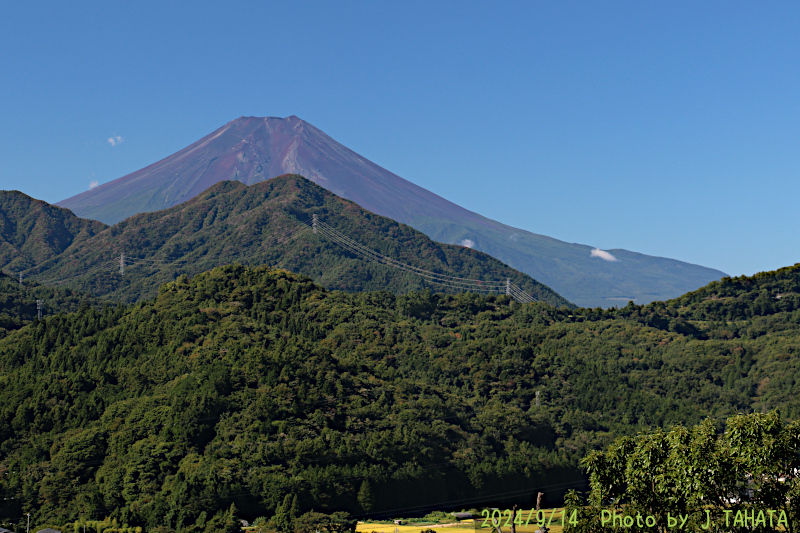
[(48, 530)]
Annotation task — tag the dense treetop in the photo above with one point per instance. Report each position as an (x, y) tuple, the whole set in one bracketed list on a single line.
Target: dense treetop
[(743, 297), (695, 479), (248, 385), (33, 231), (18, 302)]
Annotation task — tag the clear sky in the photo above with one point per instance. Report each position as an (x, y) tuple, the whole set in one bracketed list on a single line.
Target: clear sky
[(667, 128)]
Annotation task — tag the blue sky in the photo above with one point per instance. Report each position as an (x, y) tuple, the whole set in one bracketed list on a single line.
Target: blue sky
[(667, 128)]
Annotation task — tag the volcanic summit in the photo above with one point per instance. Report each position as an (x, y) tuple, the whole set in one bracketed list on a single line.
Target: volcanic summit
[(253, 149)]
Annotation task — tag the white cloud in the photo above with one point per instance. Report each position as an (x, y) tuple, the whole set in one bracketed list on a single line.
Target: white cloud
[(115, 140), (602, 254), (468, 243), (93, 184)]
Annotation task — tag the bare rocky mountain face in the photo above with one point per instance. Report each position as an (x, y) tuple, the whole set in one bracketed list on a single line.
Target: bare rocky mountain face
[(252, 149)]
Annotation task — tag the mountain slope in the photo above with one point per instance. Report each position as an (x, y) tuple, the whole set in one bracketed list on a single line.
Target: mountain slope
[(33, 231), (251, 149), (18, 302), (288, 388), (245, 385), (260, 224)]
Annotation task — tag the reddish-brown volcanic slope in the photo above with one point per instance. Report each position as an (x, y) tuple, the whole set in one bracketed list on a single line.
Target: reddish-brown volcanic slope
[(251, 149)]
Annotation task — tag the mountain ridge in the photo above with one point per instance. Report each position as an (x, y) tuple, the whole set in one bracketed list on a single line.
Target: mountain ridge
[(261, 224), (33, 231), (252, 149)]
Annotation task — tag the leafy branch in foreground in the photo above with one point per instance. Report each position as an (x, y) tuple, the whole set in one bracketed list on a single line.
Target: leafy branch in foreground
[(743, 480)]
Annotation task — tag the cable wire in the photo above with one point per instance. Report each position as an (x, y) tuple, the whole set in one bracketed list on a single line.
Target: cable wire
[(432, 276), (470, 284)]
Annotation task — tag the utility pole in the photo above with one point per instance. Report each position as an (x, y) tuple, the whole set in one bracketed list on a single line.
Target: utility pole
[(20, 280), (514, 519), (543, 528), (121, 264), (314, 223), (537, 398), (508, 286), (29, 523), (39, 309)]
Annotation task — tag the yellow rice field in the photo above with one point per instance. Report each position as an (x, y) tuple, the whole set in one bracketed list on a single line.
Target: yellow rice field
[(369, 527), (456, 527)]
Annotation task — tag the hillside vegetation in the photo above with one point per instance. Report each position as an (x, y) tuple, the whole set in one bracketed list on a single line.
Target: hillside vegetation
[(18, 302), (256, 387), (261, 225), (33, 231)]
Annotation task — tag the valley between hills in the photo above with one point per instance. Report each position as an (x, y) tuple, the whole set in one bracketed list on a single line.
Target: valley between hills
[(185, 399)]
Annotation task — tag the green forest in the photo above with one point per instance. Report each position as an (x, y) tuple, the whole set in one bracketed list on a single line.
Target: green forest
[(263, 224), (253, 392), (18, 302), (741, 480)]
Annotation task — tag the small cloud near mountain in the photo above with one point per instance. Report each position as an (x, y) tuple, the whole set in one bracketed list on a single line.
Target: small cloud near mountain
[(115, 140), (93, 184), (602, 254), (467, 242)]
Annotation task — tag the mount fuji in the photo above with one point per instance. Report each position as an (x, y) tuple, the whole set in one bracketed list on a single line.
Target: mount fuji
[(253, 149)]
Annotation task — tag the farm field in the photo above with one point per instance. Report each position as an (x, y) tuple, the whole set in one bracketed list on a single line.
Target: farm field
[(477, 524), (377, 527)]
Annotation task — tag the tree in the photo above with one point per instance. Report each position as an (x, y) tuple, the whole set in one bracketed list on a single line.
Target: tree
[(365, 496), (310, 522), (224, 522), (286, 514), (726, 482), (340, 522)]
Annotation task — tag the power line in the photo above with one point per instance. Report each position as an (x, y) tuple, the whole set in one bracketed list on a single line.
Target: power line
[(471, 284), (475, 284), (339, 238), (385, 512), (370, 255), (388, 260), (105, 265)]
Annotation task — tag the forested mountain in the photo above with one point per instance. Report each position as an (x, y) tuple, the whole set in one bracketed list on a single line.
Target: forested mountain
[(261, 224), (18, 302), (254, 149), (743, 297), (33, 231), (245, 385)]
